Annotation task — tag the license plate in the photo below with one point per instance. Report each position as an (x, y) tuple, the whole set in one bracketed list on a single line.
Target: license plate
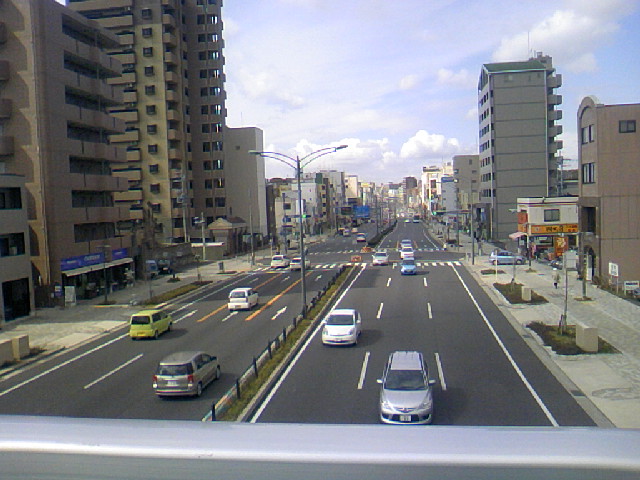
[(405, 418), (172, 383)]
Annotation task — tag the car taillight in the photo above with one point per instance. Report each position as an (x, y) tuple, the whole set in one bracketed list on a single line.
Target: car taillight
[(190, 378), (155, 379)]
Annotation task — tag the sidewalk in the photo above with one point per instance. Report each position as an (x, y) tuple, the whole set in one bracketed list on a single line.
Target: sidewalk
[(611, 382)]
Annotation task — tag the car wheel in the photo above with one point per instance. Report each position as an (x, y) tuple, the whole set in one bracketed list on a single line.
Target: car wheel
[(199, 389), (218, 372), (155, 334)]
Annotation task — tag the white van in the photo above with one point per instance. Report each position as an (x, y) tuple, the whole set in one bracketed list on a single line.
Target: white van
[(243, 298)]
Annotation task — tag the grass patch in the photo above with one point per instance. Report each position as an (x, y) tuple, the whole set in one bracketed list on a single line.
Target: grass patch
[(513, 293), (170, 295), (565, 344), (251, 388), (490, 271)]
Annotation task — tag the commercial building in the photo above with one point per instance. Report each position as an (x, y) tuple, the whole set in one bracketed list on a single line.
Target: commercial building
[(16, 286), (517, 130), (174, 109), (466, 172), (55, 94), (609, 206)]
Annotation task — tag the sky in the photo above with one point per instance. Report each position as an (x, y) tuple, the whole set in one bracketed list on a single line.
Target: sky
[(396, 81)]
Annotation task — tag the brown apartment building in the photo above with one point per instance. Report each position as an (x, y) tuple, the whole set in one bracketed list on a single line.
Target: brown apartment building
[(174, 109), (54, 131), (609, 205)]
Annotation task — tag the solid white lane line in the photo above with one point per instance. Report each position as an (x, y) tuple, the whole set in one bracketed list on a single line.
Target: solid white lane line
[(287, 371), (379, 311), (529, 387), (429, 310), (279, 312), (388, 281), (230, 315), (424, 280), (443, 384), (186, 315), (285, 279), (108, 374), (363, 370), (63, 364)]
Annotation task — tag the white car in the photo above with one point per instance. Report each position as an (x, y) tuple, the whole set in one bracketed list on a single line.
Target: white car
[(296, 263), (406, 253), (280, 261), (243, 298), (341, 327), (380, 258)]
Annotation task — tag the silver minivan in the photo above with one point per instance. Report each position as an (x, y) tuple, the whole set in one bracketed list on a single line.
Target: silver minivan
[(406, 395), (185, 373)]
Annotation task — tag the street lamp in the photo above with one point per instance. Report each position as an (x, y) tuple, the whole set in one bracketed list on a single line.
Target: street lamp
[(298, 164)]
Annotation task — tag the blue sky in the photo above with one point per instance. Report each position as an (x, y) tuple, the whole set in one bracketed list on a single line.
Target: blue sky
[(397, 81)]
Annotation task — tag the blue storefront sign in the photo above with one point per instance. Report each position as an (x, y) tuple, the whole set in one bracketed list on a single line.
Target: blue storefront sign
[(119, 253), (71, 263)]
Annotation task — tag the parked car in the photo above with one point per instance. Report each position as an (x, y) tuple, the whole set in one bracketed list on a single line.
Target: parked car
[(406, 395), (406, 253), (408, 267), (381, 257), (296, 263), (164, 267), (341, 326), (242, 298), (361, 237), (149, 324), (280, 261), (635, 293), (185, 373), (504, 257)]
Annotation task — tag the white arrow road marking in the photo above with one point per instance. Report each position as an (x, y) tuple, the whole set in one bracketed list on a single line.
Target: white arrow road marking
[(229, 316), (379, 311), (89, 385), (388, 281), (186, 315), (318, 277), (279, 312)]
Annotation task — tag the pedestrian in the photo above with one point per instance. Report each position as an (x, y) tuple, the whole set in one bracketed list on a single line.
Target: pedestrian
[(556, 278)]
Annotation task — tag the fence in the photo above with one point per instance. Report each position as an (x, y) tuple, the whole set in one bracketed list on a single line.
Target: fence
[(220, 407)]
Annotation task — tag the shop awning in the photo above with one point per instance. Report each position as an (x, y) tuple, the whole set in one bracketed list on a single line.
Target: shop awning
[(120, 261), (517, 235), (97, 266)]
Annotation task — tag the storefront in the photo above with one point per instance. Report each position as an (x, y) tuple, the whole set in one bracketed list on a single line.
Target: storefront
[(89, 274)]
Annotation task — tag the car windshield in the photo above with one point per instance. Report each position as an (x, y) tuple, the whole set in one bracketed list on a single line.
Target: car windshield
[(380, 254), (173, 370), (405, 380), (140, 320), (339, 319)]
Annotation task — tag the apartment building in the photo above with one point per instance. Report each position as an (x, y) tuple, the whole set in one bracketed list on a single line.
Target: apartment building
[(518, 149), (174, 108), (466, 172), (16, 292), (609, 203), (54, 131)]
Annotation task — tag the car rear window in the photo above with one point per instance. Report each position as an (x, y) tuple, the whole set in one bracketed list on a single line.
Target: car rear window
[(237, 295), (175, 370), (408, 262), (140, 320)]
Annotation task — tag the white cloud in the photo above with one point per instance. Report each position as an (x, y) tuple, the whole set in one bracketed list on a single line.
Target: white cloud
[(461, 79), (409, 82), (427, 145), (569, 37), (269, 88)]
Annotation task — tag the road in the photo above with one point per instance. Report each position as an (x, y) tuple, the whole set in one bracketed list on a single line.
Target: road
[(486, 374)]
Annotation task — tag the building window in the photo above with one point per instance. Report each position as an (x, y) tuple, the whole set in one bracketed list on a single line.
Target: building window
[(219, 182), (152, 148), (154, 188), (147, 32), (588, 134), (206, 146), (552, 215), (208, 184), (150, 89), (147, 52), (221, 201), (627, 126), (154, 168), (152, 129), (148, 71), (12, 244), (218, 165), (147, 13), (206, 165), (156, 207), (208, 202), (10, 198), (151, 109), (589, 173)]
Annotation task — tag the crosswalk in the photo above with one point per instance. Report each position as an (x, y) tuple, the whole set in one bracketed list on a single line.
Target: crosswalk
[(352, 251), (329, 266)]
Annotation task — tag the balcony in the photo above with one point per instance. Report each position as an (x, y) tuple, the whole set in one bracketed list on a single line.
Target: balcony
[(127, 39), (125, 57), (126, 137), (169, 20), (129, 196), (128, 116), (174, 154), (6, 145), (173, 134), (117, 22), (171, 77), (555, 115), (133, 155), (134, 174), (99, 183), (554, 99), (172, 96), (84, 116), (130, 97), (173, 115), (171, 58), (124, 79), (554, 81), (555, 146), (4, 70), (169, 39), (555, 130), (6, 107)]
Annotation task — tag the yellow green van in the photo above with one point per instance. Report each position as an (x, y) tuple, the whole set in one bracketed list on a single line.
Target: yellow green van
[(149, 324)]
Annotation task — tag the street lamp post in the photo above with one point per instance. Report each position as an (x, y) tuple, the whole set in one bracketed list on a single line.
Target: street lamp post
[(298, 164)]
